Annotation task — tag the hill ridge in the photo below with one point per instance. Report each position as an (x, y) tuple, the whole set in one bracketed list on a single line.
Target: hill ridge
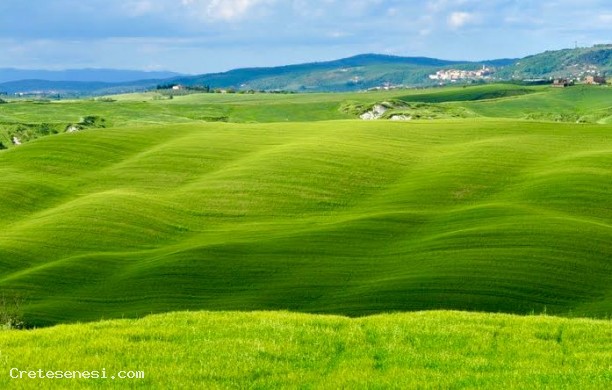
[(373, 70)]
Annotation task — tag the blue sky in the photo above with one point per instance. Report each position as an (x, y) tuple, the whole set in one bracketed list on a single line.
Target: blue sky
[(198, 36)]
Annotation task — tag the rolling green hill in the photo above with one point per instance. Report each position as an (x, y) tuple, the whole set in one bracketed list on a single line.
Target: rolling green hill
[(285, 350), (246, 207), (345, 217), (562, 63), (577, 104), (28, 120)]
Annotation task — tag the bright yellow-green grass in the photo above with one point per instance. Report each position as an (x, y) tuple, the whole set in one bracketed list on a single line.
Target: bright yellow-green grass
[(265, 350), (344, 217)]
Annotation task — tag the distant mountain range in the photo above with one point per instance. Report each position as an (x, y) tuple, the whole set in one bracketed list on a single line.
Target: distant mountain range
[(355, 73), (83, 75)]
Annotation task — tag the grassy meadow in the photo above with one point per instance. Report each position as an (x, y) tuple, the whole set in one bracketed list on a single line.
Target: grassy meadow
[(254, 208), (262, 350), (346, 217)]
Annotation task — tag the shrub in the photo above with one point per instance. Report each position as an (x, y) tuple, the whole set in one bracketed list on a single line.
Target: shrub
[(93, 121), (11, 316), (46, 129)]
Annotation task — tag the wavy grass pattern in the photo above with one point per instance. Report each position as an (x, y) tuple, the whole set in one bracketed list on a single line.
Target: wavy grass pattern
[(338, 217)]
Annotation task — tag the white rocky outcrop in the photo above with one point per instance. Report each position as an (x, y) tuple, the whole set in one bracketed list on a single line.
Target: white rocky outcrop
[(401, 118), (375, 113)]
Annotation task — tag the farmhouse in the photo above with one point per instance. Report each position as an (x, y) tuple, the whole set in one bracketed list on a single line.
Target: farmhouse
[(177, 87), (560, 83), (594, 80)]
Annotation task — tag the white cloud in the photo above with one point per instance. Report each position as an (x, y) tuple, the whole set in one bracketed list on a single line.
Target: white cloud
[(224, 10), (460, 19), (444, 5), (138, 7), (180, 34), (606, 18), (338, 34)]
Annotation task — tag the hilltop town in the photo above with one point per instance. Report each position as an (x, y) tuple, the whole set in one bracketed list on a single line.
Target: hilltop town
[(454, 75)]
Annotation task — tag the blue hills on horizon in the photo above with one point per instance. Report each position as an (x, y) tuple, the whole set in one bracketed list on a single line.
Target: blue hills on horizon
[(358, 72)]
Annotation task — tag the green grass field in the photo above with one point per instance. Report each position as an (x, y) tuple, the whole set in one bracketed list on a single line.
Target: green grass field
[(343, 217), (424, 350), (579, 103), (288, 203)]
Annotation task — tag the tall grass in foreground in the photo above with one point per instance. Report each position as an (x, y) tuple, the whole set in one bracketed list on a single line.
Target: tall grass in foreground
[(449, 350)]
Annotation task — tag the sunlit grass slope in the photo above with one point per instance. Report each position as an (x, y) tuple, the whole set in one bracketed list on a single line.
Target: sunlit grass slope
[(282, 350), (344, 217), (140, 109), (470, 93), (579, 103)]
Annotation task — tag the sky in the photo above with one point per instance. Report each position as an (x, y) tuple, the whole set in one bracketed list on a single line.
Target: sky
[(202, 36)]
